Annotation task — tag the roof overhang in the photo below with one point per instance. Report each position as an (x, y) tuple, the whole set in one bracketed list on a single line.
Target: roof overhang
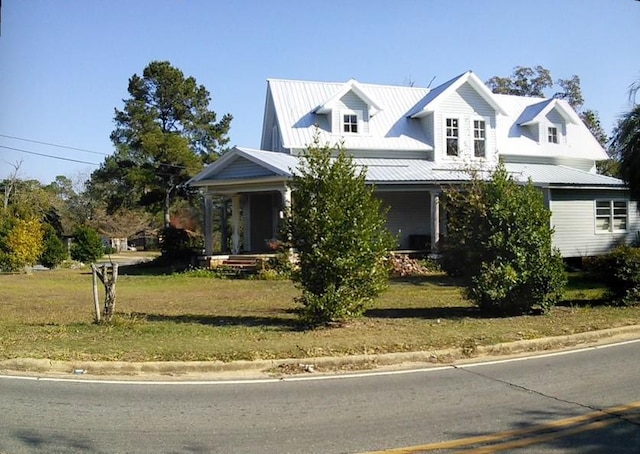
[(350, 86)]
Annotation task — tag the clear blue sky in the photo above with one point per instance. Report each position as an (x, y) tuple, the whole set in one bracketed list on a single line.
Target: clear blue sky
[(64, 65)]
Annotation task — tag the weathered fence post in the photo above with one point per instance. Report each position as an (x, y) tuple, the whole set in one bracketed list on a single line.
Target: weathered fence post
[(96, 301), (109, 282)]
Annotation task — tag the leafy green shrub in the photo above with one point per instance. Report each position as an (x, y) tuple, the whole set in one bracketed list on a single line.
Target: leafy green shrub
[(337, 229), (87, 245), (281, 266), (55, 251), (110, 250), (499, 241), (619, 270), (177, 245)]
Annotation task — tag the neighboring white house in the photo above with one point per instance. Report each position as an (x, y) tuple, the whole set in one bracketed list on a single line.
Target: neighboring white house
[(414, 142)]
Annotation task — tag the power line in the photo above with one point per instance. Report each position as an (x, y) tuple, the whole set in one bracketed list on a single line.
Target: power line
[(54, 145), (49, 156)]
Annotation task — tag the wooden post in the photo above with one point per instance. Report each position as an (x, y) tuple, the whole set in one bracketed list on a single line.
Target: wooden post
[(109, 282), (96, 301)]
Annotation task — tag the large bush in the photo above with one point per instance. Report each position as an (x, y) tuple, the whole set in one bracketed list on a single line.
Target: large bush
[(178, 245), (499, 242), (619, 270), (87, 245), (20, 243), (54, 250), (337, 229)]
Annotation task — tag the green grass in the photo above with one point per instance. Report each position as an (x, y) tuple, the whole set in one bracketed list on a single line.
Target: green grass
[(182, 317)]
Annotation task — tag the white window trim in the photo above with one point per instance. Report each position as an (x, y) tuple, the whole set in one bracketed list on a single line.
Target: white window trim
[(444, 133), (611, 217), (473, 137), (557, 134), (359, 115)]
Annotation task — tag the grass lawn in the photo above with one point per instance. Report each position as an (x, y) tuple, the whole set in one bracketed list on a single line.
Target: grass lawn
[(178, 317)]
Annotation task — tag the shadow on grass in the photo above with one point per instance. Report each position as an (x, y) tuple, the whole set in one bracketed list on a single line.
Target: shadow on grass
[(585, 302), (439, 280), (157, 267), (286, 324), (430, 313)]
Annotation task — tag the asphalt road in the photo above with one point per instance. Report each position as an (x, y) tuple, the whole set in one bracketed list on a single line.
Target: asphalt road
[(341, 415)]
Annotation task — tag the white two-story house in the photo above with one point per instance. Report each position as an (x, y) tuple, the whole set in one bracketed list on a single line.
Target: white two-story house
[(414, 142)]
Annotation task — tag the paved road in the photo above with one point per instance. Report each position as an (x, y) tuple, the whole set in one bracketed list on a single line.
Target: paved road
[(338, 415)]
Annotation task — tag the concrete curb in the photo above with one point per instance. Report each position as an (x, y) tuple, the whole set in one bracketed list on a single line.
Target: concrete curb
[(265, 368)]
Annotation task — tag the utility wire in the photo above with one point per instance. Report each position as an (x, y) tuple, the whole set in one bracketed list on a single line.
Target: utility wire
[(49, 156), (54, 144)]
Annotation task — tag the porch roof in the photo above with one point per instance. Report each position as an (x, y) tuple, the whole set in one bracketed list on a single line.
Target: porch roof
[(244, 164)]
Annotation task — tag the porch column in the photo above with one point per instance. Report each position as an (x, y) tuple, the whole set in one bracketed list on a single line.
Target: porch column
[(435, 220), (286, 206), (286, 200), (208, 225), (235, 224)]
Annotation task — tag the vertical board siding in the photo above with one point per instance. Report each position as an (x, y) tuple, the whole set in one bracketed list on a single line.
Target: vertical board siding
[(409, 213), (573, 219)]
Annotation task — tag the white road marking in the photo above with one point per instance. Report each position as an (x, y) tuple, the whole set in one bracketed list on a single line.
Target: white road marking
[(319, 377)]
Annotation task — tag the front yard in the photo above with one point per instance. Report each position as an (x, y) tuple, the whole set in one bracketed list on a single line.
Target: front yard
[(179, 317)]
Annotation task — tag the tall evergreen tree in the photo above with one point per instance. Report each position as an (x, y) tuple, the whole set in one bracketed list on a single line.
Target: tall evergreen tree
[(164, 134)]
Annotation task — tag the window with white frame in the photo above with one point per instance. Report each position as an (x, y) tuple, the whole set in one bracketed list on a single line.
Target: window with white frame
[(611, 215), (452, 134), (552, 134), (479, 138), (350, 123)]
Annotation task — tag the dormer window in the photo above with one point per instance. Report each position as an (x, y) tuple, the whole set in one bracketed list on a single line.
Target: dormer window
[(350, 123), (452, 134), (552, 134), (479, 138)]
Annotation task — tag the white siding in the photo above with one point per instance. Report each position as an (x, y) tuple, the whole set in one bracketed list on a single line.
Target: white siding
[(242, 168), (466, 105), (350, 102), (409, 214), (573, 218)]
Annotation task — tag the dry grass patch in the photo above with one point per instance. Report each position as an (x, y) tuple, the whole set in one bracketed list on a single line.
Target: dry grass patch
[(49, 315)]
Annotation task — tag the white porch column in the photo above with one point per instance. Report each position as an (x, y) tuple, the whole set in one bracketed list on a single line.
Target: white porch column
[(286, 198), (435, 220), (208, 225), (235, 224)]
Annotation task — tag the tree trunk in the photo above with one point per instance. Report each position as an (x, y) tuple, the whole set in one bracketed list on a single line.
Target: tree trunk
[(167, 206), (109, 282)]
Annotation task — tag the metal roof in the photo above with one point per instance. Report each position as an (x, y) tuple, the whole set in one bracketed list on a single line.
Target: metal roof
[(411, 171)]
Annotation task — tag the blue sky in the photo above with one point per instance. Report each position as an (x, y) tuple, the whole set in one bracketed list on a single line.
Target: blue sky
[(64, 65)]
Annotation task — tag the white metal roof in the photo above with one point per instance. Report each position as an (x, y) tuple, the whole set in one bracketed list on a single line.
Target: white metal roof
[(411, 171), (393, 128), (389, 129), (513, 139)]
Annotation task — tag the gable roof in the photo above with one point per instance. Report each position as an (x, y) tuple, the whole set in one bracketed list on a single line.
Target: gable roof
[(233, 165), (430, 103), (513, 137), (350, 86), (535, 113), (293, 105)]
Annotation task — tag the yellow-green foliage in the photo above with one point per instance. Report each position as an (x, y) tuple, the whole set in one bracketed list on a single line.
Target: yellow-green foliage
[(23, 244)]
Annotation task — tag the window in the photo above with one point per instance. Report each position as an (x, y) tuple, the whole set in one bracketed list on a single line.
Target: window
[(452, 136), (611, 215), (479, 138), (350, 123), (552, 134)]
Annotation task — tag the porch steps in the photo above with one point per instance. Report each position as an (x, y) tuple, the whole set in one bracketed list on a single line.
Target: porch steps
[(242, 263)]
